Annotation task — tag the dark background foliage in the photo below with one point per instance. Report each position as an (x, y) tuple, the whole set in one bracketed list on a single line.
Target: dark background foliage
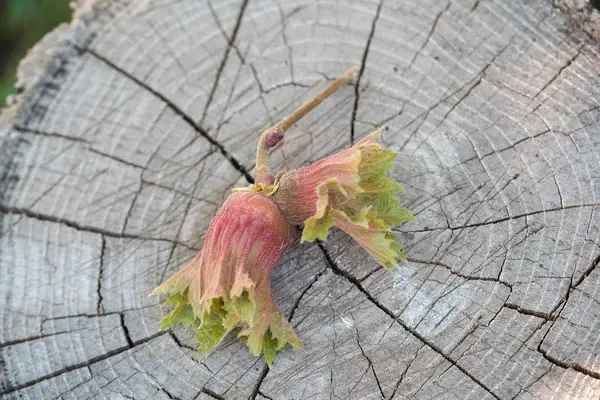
[(22, 24)]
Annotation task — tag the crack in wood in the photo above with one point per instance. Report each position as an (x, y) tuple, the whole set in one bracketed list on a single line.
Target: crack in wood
[(526, 311), (560, 71), (125, 329), (193, 358), (563, 364), (340, 272), (84, 228), (502, 150), (306, 289), (210, 393), (242, 58), (29, 339), (265, 396), (450, 110), (199, 130), (132, 205), (504, 219), (595, 264), (370, 363), (22, 129), (99, 307), (117, 159), (230, 44), (283, 20), (566, 365), (261, 378), (429, 34), (403, 374), (169, 395), (363, 64), (84, 364), (71, 389), (266, 369), (460, 274), (471, 84), (83, 315), (558, 309)]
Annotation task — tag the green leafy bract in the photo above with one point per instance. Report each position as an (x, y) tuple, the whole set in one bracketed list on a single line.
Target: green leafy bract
[(366, 211), (258, 321)]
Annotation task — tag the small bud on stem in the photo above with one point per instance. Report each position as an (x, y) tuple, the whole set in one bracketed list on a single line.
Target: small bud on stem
[(273, 135), (273, 138)]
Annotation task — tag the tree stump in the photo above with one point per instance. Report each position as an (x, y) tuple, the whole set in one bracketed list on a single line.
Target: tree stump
[(134, 122)]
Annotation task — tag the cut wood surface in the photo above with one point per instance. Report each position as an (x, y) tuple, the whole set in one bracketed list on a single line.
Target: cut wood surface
[(133, 123)]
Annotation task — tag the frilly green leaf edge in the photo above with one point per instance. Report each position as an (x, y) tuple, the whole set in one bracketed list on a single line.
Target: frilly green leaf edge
[(219, 316), (372, 225)]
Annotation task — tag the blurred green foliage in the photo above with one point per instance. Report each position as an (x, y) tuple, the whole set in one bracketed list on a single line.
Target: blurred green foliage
[(22, 24)]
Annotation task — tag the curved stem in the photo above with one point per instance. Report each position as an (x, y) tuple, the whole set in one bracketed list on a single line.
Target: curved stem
[(271, 136)]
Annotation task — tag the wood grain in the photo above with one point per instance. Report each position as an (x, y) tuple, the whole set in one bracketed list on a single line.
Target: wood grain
[(133, 123)]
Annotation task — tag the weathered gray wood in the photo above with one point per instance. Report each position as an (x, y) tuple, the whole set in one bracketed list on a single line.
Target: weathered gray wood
[(585, 12), (134, 123)]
